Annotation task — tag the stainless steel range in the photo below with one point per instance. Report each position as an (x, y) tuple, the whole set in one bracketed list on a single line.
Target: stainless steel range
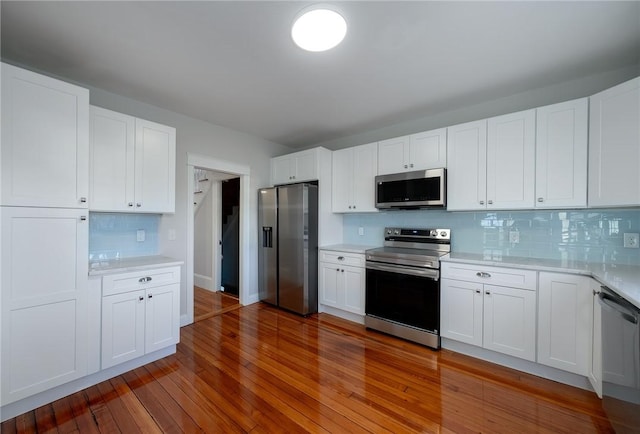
[(403, 284)]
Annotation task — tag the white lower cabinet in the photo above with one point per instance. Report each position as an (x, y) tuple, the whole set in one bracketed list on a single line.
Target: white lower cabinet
[(44, 299), (342, 281), (595, 367), (140, 313), (565, 322), (498, 318)]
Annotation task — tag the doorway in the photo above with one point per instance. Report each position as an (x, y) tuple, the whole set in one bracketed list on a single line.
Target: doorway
[(204, 297)]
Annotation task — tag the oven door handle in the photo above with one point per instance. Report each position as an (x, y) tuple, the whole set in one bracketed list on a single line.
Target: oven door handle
[(608, 301), (431, 274)]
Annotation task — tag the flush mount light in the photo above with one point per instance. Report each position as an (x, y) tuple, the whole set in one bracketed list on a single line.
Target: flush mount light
[(318, 28)]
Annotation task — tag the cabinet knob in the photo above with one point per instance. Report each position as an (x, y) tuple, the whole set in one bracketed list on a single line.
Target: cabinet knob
[(342, 271), (83, 200), (141, 298), (595, 292), (482, 202), (411, 165), (477, 291), (337, 269), (354, 207), (540, 199), (130, 204), (349, 206), (405, 166), (490, 202), (488, 292), (340, 258), (83, 218), (138, 204), (150, 295)]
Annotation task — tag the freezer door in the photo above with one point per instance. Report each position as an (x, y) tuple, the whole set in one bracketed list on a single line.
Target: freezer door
[(268, 247), (297, 216)]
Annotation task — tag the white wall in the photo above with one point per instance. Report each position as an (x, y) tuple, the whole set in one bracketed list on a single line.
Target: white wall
[(473, 110), (202, 243), (199, 137)]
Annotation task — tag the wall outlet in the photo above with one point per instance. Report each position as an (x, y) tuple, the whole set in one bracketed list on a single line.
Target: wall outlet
[(514, 237), (631, 240), (172, 235), (360, 231), (140, 235)]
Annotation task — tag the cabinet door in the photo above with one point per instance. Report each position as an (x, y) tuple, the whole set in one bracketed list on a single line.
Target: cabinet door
[(155, 167), (511, 160), (305, 166), (365, 169), (392, 156), (353, 287), (162, 317), (112, 138), (614, 146), (281, 171), (329, 283), (461, 310), (123, 327), (428, 150), (510, 321), (565, 306), (561, 154), (45, 141), (44, 299), (342, 180), (466, 166)]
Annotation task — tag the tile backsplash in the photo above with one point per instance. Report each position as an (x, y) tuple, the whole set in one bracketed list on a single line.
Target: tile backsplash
[(114, 235), (593, 235)]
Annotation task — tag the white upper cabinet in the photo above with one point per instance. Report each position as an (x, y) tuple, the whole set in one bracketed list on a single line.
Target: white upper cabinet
[(614, 146), (297, 167), (511, 160), (421, 151), (45, 141), (132, 164), (467, 169), (353, 178), (491, 163), (561, 154)]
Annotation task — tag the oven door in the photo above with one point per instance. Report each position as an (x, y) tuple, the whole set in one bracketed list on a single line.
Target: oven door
[(406, 295)]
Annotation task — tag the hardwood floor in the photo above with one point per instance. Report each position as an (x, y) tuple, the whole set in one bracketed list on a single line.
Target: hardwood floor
[(210, 303), (257, 369)]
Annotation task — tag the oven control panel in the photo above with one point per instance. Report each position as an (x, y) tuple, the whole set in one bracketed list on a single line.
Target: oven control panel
[(398, 234)]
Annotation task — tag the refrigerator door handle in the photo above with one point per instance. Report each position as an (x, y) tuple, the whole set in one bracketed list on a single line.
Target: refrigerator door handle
[(267, 236)]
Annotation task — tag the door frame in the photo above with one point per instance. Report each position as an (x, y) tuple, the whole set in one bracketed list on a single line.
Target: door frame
[(243, 172)]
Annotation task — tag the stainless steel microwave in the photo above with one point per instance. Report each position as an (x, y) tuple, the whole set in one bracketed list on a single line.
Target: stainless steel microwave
[(418, 189)]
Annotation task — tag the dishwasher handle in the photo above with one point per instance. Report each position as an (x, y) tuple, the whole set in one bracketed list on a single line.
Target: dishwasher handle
[(608, 300)]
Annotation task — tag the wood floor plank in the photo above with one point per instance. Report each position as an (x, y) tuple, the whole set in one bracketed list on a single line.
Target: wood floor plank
[(261, 370)]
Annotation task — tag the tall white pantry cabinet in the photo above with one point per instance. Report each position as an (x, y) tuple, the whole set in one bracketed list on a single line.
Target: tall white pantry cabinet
[(44, 232)]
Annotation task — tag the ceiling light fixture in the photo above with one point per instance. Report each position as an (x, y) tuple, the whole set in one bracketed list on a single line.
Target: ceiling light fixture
[(318, 28)]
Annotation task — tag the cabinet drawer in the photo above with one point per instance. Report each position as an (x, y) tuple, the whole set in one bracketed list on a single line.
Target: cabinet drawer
[(135, 280), (342, 258), (511, 277)]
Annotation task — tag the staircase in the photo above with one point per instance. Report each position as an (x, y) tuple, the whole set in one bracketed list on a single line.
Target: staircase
[(201, 186)]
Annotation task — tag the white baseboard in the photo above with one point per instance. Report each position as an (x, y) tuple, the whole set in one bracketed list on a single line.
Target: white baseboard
[(341, 314), (205, 282)]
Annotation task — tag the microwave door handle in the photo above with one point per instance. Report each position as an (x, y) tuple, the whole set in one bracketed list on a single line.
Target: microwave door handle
[(610, 302)]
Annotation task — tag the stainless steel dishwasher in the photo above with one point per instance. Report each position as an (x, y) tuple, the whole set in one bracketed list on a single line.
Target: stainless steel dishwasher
[(620, 361)]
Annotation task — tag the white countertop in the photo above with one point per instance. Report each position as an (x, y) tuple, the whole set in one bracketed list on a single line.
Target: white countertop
[(623, 279), (349, 248), (102, 267)]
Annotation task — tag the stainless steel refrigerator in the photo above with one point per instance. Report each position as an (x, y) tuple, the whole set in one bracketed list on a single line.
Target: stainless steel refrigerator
[(288, 251)]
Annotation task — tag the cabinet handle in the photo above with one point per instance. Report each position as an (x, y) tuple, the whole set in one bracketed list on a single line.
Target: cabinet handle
[(483, 274), (540, 199), (138, 204), (411, 165), (479, 274), (340, 258), (482, 202), (477, 291), (490, 202), (487, 292), (83, 200), (130, 204), (144, 279), (595, 292), (405, 166), (83, 218), (150, 295), (141, 298)]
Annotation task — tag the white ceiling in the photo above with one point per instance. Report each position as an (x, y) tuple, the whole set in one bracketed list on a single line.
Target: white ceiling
[(234, 64)]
